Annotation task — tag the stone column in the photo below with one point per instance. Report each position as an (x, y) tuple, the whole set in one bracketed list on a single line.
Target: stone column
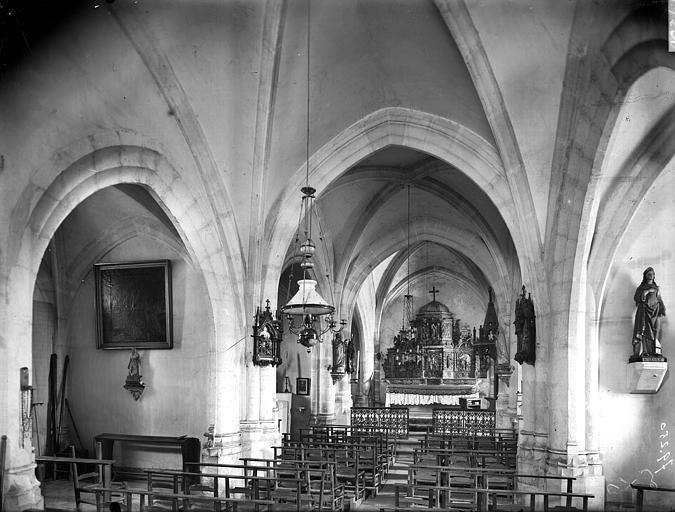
[(258, 428), (505, 412), (343, 400), (570, 380), (22, 489), (229, 376), (323, 394), (595, 478), (366, 371)]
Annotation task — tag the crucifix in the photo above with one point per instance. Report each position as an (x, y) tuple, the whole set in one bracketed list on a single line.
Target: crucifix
[(434, 291)]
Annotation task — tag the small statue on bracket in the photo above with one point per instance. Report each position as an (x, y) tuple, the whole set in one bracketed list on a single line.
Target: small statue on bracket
[(134, 384), (337, 369), (349, 357), (647, 326), (526, 329)]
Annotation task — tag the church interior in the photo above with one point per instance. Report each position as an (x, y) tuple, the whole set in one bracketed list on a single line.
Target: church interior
[(302, 233)]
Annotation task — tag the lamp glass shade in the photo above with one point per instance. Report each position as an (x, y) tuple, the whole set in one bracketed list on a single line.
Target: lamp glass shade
[(307, 301)]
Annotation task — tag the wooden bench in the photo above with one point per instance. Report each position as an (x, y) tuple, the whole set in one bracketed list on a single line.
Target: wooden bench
[(346, 435), (177, 499), (358, 466), (322, 478), (441, 496), (498, 441), (366, 457), (479, 457), (487, 478), (640, 495), (419, 509), (275, 488)]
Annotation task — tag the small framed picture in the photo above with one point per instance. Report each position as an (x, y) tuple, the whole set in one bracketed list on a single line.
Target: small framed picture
[(302, 386)]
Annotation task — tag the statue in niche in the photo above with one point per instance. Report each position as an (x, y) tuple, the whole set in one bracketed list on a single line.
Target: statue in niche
[(650, 309), (526, 332), (435, 336)]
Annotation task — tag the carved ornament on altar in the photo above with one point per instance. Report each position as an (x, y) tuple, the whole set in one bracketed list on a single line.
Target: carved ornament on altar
[(438, 348)]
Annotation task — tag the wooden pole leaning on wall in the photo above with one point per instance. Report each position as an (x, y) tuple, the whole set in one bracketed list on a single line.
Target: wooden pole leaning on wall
[(3, 451), (61, 398), (51, 443), (72, 424)]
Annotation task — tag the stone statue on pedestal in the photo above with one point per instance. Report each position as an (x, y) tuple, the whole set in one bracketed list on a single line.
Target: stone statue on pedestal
[(647, 326)]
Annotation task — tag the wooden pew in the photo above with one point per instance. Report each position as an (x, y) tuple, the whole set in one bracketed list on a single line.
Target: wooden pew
[(420, 509), (479, 457), (368, 455), (323, 478), (442, 495), (488, 478), (503, 440), (347, 434), (277, 489), (640, 494), (218, 503), (355, 467)]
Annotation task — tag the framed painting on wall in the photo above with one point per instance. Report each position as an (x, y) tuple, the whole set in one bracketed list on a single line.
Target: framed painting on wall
[(302, 386), (133, 305)]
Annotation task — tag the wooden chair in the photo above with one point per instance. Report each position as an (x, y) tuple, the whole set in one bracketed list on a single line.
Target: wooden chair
[(100, 477)]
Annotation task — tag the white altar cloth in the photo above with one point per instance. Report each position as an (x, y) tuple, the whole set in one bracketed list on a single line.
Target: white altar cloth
[(425, 399)]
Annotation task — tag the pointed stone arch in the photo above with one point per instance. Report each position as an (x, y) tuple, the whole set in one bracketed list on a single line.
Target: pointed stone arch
[(53, 192), (424, 132)]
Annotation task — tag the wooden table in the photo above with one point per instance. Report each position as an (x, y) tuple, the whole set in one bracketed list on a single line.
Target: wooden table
[(190, 447)]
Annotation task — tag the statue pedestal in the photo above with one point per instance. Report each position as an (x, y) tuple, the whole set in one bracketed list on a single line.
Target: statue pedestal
[(646, 376)]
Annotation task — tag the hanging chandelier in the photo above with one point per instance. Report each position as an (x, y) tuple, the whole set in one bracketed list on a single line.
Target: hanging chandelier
[(307, 302), (407, 331)]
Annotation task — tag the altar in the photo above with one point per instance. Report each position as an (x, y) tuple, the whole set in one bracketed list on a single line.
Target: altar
[(430, 394), (440, 361)]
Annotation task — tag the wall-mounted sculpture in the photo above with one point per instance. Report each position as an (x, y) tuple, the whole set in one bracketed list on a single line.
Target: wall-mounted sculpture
[(647, 325), (338, 368), (134, 384), (526, 330)]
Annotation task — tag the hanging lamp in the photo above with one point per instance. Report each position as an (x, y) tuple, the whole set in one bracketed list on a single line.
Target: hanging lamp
[(307, 302), (407, 331)]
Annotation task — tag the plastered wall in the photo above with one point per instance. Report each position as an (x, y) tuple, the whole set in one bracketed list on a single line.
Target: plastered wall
[(177, 393), (637, 432)]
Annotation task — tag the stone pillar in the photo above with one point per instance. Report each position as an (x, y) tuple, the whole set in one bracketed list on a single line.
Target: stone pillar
[(229, 377), (505, 413), (595, 479), (366, 373), (22, 489), (570, 381), (323, 394), (343, 400)]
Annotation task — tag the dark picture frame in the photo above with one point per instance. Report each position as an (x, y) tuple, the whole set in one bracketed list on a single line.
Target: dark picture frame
[(302, 385), (133, 305)]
